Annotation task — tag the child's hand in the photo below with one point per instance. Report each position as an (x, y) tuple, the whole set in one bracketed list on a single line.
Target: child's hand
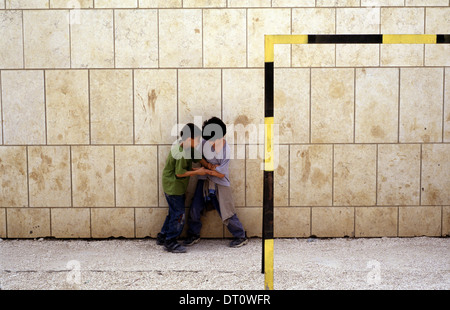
[(200, 171), (212, 167)]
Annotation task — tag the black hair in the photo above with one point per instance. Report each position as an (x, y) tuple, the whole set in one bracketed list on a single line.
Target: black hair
[(190, 131), (214, 129)]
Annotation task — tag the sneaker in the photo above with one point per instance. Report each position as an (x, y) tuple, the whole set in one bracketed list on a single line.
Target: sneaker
[(191, 240), (174, 247), (160, 239), (238, 242)]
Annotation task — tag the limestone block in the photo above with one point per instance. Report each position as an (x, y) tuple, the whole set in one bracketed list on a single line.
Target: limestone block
[(67, 98), (426, 3), (71, 4), (27, 4), (237, 177), (437, 21), (2, 223), (212, 226), (93, 176), (112, 222), (382, 2), (419, 221), (376, 222), (338, 3), (332, 222), (313, 55), (160, 3), (254, 181), (332, 105), (251, 219), (136, 38), (204, 3), (71, 222), (358, 20), (447, 106), (23, 107), (292, 222), (359, 55), (225, 42), (398, 174), (311, 175), (262, 22), (1, 114), (355, 175), (180, 38), (93, 32), (435, 174), (293, 3), (437, 55), (445, 221), (421, 98), (313, 20), (291, 101), (46, 39), (111, 106), (116, 3), (402, 20), (13, 169), (243, 102), (155, 110), (11, 43), (281, 177), (136, 176), (401, 55), (249, 3), (28, 223), (199, 94), (49, 176), (376, 110), (149, 221), (2, 6), (163, 152)]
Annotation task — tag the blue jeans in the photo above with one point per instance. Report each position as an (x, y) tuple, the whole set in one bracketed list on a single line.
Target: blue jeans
[(198, 204), (174, 223)]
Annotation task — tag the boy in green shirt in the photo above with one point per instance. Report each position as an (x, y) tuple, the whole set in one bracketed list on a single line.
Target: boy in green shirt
[(175, 180)]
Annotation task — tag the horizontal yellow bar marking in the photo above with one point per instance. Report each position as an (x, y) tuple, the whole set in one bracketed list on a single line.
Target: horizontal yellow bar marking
[(268, 264), (268, 145), (409, 39)]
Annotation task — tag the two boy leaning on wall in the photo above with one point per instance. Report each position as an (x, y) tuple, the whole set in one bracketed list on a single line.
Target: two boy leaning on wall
[(213, 185)]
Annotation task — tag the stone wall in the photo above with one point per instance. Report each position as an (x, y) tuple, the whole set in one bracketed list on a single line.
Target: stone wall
[(91, 89)]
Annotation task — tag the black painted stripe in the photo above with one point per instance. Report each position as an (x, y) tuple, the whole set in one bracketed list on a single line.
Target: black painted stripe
[(345, 39)]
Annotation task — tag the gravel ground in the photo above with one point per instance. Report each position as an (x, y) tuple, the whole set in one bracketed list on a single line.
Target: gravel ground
[(381, 263)]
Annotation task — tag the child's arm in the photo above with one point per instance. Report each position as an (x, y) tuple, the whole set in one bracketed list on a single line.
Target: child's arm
[(215, 173), (195, 171), (207, 165)]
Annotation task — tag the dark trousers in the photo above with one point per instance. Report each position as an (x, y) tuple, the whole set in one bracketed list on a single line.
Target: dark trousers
[(174, 223)]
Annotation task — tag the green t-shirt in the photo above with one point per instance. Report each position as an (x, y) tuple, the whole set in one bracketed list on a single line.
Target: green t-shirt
[(180, 164)]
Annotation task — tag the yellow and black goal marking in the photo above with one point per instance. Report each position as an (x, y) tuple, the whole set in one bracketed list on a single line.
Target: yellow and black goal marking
[(270, 41)]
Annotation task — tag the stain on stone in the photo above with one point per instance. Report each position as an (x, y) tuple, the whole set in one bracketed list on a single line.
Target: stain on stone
[(152, 97), (242, 119), (337, 90), (377, 132), (306, 166)]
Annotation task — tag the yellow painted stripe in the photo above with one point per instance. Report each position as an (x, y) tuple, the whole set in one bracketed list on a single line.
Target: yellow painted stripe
[(268, 146), (409, 39), (268, 264), (271, 40), (290, 39), (268, 49)]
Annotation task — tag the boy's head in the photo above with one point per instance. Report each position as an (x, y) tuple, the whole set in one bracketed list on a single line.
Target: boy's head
[(190, 135), (214, 129)]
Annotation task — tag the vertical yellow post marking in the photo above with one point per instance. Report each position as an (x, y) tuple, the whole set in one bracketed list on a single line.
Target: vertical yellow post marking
[(268, 258)]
